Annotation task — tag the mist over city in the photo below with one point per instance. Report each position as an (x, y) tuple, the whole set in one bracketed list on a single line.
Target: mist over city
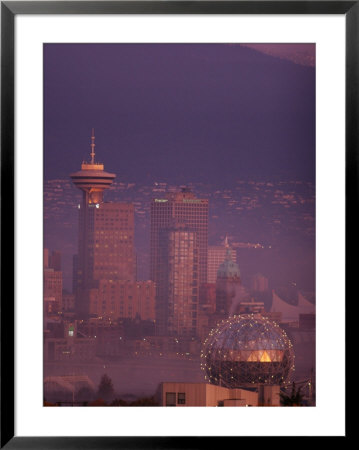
[(179, 225)]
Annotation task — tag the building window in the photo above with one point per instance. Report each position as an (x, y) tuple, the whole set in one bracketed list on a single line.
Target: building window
[(181, 398), (170, 399)]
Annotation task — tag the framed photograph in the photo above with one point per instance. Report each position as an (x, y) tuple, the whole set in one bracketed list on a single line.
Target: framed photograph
[(175, 183)]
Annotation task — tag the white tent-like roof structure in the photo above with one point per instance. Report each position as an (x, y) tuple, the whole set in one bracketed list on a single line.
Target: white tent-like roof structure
[(304, 305), (68, 383), (291, 312)]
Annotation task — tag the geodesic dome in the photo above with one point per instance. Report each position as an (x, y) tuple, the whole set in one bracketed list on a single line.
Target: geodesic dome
[(245, 350)]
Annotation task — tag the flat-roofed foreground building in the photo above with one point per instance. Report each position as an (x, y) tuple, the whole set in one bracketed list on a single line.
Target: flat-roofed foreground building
[(204, 394)]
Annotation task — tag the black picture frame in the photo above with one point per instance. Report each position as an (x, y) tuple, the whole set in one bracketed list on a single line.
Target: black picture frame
[(9, 10)]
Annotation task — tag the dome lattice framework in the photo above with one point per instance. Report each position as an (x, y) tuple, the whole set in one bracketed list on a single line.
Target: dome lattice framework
[(245, 350)]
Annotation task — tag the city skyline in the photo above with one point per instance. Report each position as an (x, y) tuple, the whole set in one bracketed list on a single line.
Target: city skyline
[(204, 145), (259, 218)]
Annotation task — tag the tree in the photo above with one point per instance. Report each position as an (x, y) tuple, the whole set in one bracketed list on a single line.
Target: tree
[(145, 401), (98, 402), (119, 402), (85, 394), (294, 399), (105, 388)]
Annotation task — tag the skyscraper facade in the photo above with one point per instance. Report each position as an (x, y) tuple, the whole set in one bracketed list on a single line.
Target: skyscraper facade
[(112, 240), (52, 291), (52, 283), (106, 233), (116, 299), (177, 300), (55, 260), (180, 207), (178, 248)]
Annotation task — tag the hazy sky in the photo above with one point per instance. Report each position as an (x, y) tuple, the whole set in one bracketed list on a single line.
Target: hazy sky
[(181, 112), (299, 53)]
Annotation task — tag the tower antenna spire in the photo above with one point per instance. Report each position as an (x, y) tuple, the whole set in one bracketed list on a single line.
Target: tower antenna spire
[(93, 146), (226, 241)]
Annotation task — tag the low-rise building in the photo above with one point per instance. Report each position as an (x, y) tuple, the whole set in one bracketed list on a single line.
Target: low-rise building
[(79, 349), (250, 307), (204, 394), (70, 346), (307, 321)]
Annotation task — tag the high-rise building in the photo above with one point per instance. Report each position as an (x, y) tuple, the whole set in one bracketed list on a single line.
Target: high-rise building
[(52, 260), (207, 297), (106, 233), (68, 302), (52, 286), (168, 215), (46, 258), (216, 256), (55, 260), (177, 299), (180, 207), (52, 291), (123, 299), (259, 283), (113, 242)]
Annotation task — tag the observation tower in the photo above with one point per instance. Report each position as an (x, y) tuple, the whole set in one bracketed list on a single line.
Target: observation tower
[(92, 178)]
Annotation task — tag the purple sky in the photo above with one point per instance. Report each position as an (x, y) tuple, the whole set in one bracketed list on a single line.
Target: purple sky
[(298, 53), (181, 112)]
